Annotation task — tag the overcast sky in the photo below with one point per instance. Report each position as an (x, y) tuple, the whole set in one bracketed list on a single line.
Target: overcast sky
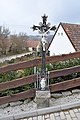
[(20, 15)]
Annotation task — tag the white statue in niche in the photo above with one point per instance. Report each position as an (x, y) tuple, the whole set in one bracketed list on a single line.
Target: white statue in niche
[(43, 83), (44, 42)]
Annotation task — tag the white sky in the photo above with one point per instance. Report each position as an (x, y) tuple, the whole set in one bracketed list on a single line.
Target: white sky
[(20, 15)]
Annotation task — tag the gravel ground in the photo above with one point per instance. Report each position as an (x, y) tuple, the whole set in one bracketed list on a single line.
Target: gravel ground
[(28, 105)]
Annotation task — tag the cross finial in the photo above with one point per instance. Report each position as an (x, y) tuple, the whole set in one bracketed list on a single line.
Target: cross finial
[(44, 19)]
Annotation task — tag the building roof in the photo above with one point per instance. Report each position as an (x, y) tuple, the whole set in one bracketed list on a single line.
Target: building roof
[(32, 43), (73, 33)]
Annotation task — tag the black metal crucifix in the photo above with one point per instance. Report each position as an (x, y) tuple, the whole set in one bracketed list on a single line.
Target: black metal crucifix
[(43, 28)]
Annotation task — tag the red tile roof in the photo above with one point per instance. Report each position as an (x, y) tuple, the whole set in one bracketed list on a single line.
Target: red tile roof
[(32, 43), (73, 33)]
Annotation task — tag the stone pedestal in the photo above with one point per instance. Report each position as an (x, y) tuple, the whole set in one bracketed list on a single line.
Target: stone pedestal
[(42, 98)]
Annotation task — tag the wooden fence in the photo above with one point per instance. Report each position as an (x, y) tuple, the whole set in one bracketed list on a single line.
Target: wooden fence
[(32, 78)]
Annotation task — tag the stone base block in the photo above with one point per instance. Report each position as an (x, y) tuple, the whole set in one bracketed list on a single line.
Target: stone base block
[(42, 103), (42, 98), (43, 94)]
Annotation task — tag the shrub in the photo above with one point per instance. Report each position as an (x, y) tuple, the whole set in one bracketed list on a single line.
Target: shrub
[(29, 71)]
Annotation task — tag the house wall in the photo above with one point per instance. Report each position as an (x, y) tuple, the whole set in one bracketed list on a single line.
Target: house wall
[(30, 49), (61, 43), (38, 46)]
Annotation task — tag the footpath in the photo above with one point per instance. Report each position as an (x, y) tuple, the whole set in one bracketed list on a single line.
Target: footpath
[(64, 113), (2, 59)]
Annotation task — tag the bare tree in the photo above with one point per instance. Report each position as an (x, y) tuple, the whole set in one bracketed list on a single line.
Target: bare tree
[(12, 44), (4, 41), (18, 43)]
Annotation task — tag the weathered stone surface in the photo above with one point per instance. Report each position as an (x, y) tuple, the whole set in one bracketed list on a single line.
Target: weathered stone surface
[(51, 102), (7, 117), (4, 105), (27, 101), (56, 95), (75, 91), (8, 110), (24, 115), (42, 99), (64, 102), (42, 103), (15, 103), (66, 93), (62, 115), (34, 100), (32, 105), (1, 111), (43, 94), (17, 109)]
